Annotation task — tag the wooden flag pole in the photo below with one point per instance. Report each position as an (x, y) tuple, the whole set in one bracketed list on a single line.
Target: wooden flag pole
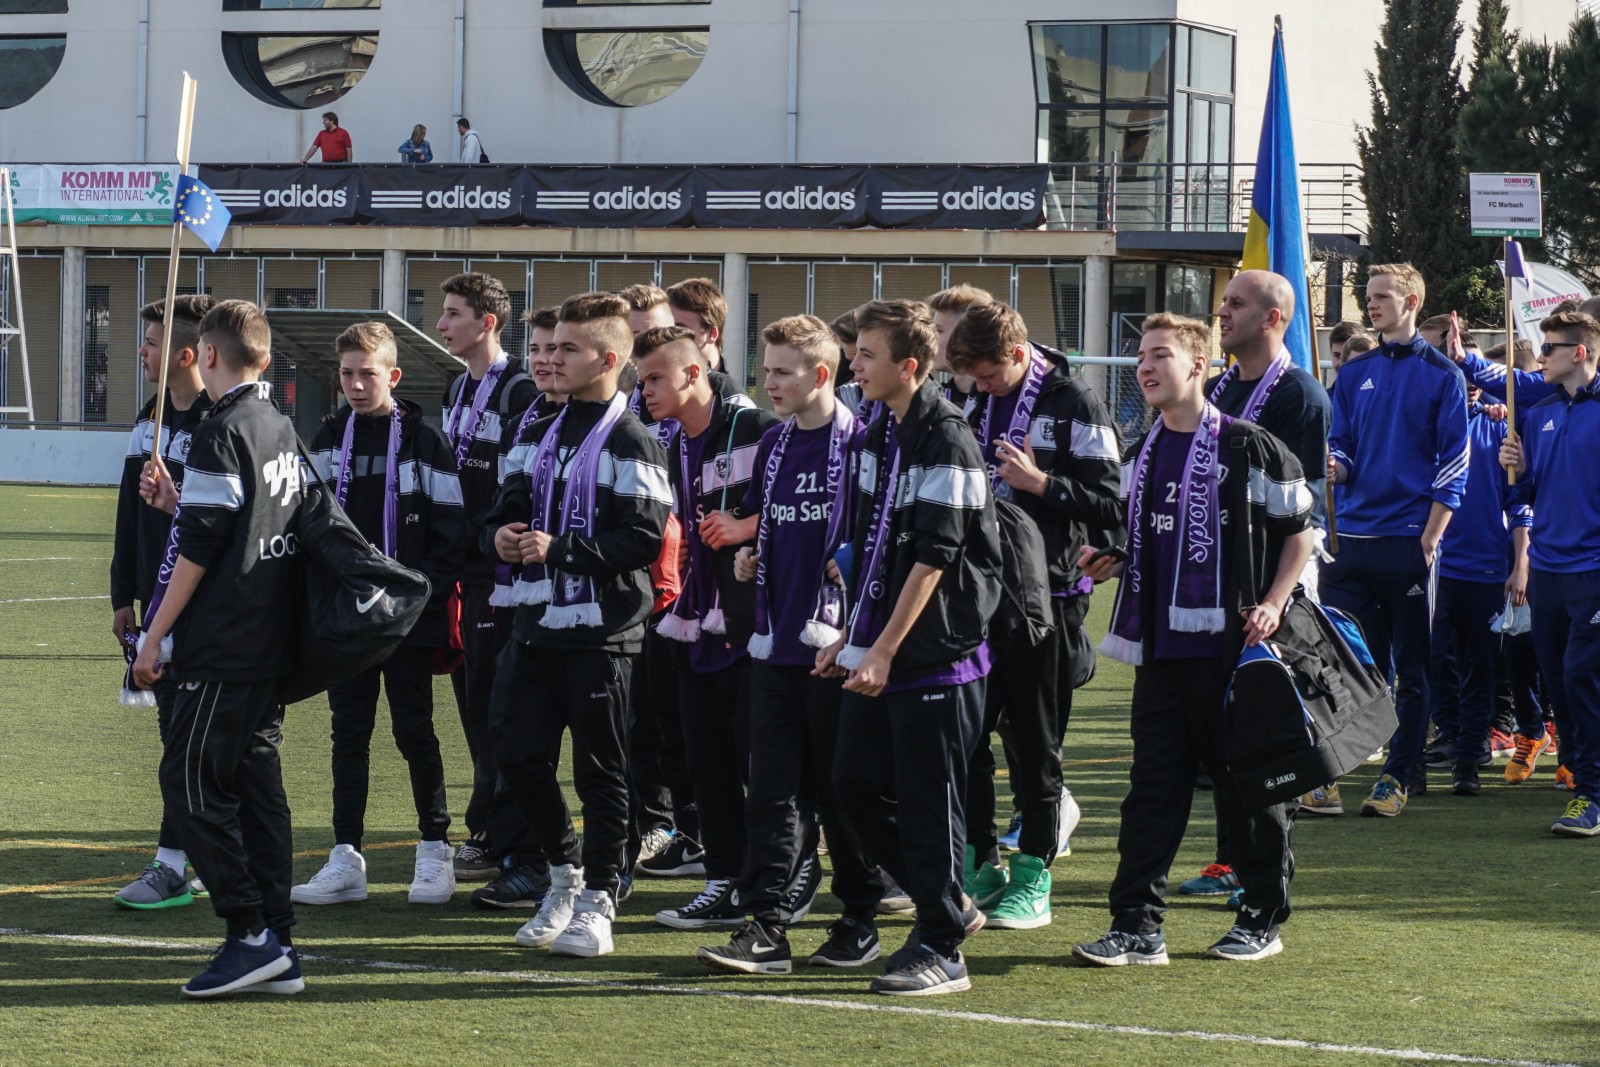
[(1511, 363), (185, 129)]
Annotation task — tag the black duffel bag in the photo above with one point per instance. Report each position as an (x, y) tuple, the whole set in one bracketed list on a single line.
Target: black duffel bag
[(356, 604), (1023, 617), (1304, 707)]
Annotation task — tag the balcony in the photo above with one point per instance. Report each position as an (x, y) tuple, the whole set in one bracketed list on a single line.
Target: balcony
[(1197, 199)]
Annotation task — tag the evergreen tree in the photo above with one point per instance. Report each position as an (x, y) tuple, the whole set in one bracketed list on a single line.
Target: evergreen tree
[(1491, 42), (1411, 169)]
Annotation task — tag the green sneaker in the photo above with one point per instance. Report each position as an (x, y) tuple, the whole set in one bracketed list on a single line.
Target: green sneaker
[(158, 886), (986, 884), (1026, 902)]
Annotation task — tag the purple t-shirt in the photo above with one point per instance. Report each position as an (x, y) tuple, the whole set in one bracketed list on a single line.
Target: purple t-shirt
[(797, 529), (973, 666), (1163, 490)]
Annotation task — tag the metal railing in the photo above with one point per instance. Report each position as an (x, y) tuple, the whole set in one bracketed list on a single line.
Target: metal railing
[(1194, 197)]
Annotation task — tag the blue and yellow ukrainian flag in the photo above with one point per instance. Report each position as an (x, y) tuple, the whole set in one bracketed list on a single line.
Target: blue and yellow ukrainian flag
[(1276, 239)]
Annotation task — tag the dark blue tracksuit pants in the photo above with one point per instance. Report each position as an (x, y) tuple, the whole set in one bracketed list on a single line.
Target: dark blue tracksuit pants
[(1566, 634), (1465, 663), (1385, 584)]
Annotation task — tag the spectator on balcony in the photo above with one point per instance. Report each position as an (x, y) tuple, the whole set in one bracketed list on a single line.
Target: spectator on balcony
[(333, 142), (416, 149), (471, 146)]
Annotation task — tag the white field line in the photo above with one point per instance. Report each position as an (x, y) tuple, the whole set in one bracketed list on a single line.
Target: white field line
[(57, 559), (52, 599), (538, 978)]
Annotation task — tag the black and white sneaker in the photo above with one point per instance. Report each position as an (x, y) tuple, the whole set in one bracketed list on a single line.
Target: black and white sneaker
[(1243, 943), (519, 887), (651, 844), (896, 901), (754, 949), (925, 973), (850, 943), (803, 891), (715, 906), (476, 861), (682, 858)]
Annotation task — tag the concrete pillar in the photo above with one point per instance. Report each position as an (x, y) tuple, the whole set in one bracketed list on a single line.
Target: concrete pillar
[(1097, 306), (74, 294), (736, 334), (392, 282)]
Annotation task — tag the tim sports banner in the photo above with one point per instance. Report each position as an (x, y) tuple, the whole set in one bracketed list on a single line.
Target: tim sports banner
[(122, 194), (739, 197)]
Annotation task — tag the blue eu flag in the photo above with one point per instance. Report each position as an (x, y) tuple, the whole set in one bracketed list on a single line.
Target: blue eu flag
[(198, 208)]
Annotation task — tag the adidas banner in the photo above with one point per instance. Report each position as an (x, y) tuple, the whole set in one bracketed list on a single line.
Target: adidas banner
[(946, 197)]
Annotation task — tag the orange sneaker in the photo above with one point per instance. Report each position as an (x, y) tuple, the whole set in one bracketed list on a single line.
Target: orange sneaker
[(1564, 779), (1524, 757)]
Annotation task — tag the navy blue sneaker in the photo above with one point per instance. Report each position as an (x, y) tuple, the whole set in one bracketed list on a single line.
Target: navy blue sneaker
[(237, 965), (1121, 949), (1011, 840), (285, 984), (1243, 943), (1581, 819)]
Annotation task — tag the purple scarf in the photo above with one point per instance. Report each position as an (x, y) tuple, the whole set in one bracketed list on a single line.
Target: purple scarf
[(827, 613), (391, 476), (132, 695), (686, 620), (1258, 396), (871, 612), (573, 598), (1021, 415), (1195, 605), (461, 429)]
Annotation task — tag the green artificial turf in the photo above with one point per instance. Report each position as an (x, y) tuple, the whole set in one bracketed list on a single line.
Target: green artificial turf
[(1462, 928)]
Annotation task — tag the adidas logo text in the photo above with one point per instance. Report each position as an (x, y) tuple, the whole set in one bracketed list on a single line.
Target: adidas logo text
[(304, 196)]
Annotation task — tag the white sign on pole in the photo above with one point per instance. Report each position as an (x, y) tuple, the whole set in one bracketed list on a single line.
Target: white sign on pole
[(1505, 205)]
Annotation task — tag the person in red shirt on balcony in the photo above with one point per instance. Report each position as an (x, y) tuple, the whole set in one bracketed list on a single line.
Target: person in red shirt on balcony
[(333, 141)]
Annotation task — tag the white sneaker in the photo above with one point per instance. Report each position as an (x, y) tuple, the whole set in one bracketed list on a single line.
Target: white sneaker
[(342, 880), (652, 843), (589, 932), (1071, 815), (433, 880), (556, 911)]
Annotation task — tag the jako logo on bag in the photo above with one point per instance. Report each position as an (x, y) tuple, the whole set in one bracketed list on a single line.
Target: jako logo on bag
[(304, 196), (983, 198)]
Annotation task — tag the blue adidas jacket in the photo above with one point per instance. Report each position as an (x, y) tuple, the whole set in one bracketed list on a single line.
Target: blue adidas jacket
[(1490, 376), (1560, 440), (1477, 543), (1400, 430)]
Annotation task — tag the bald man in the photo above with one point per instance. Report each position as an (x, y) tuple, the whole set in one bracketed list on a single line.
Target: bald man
[(1265, 387)]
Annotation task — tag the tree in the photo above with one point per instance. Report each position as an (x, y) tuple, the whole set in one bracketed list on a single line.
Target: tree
[(1411, 169), (1491, 42), (1541, 114)]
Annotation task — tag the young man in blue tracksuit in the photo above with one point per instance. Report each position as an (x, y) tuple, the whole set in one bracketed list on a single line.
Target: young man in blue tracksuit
[(1483, 560), (1399, 447), (1555, 462)]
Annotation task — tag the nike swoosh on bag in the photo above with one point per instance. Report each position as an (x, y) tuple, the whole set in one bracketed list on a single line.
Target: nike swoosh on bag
[(364, 606)]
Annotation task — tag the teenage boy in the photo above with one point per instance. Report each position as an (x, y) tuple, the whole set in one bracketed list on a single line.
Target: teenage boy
[(482, 409), (142, 529), (1554, 461), (1399, 448), (1265, 387), (541, 323), (711, 459), (948, 305), (395, 476), (924, 579), (1050, 448), (222, 612), (664, 815), (800, 491), (1180, 617), (699, 306), (582, 512)]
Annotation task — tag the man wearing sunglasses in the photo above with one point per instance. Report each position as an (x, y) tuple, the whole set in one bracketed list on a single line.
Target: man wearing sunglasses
[(1554, 461)]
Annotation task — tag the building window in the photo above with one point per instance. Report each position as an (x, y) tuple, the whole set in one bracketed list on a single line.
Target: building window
[(1154, 98), (626, 68), (27, 64), (294, 5), (33, 7), (298, 71), (619, 3)]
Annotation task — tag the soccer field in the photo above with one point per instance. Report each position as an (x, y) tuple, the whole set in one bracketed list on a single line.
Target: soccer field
[(1462, 932)]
